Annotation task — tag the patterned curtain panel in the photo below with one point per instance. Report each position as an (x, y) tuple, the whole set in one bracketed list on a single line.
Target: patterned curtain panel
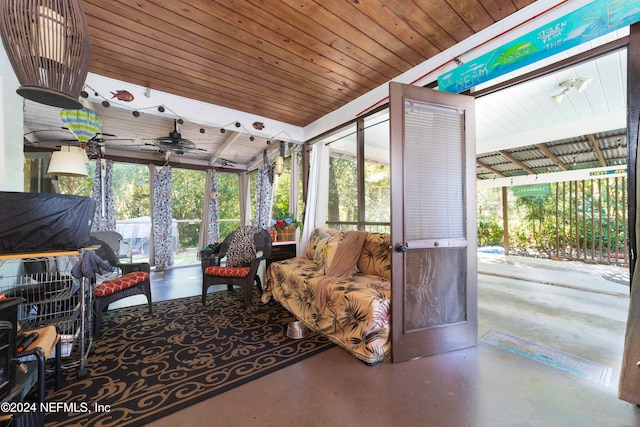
[(213, 233), (162, 213), (102, 193), (210, 228), (264, 196)]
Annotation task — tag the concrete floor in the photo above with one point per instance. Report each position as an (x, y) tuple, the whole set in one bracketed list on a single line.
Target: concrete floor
[(573, 307)]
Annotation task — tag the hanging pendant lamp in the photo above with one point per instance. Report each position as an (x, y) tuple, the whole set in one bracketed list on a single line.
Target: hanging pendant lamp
[(69, 161), (48, 45)]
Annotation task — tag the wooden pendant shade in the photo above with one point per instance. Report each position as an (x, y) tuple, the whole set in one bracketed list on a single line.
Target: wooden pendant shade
[(48, 45)]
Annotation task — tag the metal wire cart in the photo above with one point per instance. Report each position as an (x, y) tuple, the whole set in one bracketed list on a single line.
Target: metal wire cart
[(52, 296)]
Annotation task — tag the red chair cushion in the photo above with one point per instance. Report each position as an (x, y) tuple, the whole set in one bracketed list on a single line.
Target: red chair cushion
[(126, 281), (216, 270)]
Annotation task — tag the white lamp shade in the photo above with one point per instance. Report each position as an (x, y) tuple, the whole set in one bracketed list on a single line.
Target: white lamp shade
[(80, 151), (67, 163)]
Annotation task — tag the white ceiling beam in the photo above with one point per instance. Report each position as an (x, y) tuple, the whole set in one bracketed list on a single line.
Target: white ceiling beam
[(546, 178)]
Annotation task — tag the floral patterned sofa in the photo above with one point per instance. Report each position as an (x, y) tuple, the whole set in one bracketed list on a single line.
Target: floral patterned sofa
[(357, 315)]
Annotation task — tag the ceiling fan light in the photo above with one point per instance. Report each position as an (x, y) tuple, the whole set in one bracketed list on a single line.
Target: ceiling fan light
[(581, 84)]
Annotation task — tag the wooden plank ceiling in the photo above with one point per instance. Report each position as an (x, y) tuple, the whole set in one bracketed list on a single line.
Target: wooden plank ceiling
[(289, 60), (293, 61)]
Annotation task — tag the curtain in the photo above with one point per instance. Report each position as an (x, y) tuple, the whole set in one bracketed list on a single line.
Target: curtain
[(210, 228), (294, 186), (264, 196), (245, 202), (102, 193), (317, 195), (161, 222)]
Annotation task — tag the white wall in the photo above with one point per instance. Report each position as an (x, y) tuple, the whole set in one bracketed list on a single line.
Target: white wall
[(11, 118)]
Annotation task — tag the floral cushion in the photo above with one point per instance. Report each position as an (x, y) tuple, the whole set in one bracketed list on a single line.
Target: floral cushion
[(375, 258), (123, 282)]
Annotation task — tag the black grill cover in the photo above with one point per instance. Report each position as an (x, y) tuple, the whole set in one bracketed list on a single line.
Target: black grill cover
[(37, 222)]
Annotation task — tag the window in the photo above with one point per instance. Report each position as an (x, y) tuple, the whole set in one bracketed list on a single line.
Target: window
[(342, 206), (377, 184), (347, 209), (131, 184), (282, 191), (228, 202), (187, 203)]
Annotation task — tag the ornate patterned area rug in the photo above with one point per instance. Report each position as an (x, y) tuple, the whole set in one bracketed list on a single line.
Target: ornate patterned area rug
[(145, 366), (549, 356)]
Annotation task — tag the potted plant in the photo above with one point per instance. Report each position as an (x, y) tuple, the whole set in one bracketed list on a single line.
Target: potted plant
[(285, 227)]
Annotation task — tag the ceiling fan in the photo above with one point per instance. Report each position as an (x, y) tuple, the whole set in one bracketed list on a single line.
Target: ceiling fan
[(96, 142), (174, 142), (225, 163)]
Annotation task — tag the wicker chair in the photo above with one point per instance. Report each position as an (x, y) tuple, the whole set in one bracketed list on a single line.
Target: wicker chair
[(134, 280), (243, 275), (114, 240)]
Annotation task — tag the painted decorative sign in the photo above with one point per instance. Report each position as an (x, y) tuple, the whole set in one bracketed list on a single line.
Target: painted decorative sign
[(532, 190), (582, 25), (610, 172)]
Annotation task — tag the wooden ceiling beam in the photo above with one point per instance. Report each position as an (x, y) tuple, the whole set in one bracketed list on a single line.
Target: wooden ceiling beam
[(553, 157), (596, 149), (490, 169), (516, 162), (233, 136)]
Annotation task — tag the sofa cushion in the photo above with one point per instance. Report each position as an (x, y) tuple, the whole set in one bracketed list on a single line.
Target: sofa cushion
[(375, 258), (321, 241), (216, 270), (126, 281)]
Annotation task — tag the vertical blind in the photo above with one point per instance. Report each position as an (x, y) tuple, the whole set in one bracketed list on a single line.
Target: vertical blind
[(434, 165)]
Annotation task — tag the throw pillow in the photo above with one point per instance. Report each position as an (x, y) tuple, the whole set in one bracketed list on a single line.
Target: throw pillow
[(375, 258)]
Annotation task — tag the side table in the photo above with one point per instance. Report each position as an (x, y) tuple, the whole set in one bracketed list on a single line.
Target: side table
[(281, 251)]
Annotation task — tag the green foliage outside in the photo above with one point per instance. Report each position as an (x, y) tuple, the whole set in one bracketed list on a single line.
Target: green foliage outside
[(131, 187), (228, 202), (281, 192), (343, 191), (584, 220)]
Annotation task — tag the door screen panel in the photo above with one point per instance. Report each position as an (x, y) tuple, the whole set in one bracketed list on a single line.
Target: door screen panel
[(435, 292)]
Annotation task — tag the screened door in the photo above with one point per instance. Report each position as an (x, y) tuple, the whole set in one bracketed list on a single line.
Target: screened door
[(434, 278)]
